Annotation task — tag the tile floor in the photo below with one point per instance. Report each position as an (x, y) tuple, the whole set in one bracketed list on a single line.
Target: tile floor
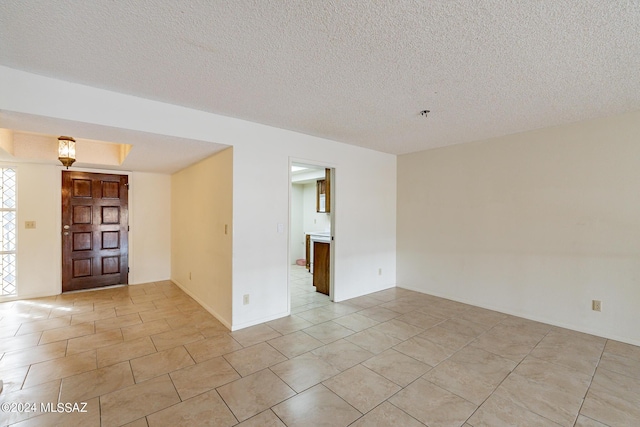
[(148, 355)]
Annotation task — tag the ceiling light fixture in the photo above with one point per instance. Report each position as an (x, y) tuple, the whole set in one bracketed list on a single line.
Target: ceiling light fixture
[(424, 113), (66, 150)]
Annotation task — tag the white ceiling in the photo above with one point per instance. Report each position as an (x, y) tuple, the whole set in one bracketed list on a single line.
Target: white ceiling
[(355, 72)]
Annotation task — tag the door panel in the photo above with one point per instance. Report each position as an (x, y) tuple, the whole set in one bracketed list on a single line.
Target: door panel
[(95, 219)]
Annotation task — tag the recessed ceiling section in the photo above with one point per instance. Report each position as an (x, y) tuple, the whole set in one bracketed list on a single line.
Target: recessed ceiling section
[(98, 146), (39, 148)]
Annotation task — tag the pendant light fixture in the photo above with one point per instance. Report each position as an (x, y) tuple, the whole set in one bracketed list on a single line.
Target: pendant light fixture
[(66, 150)]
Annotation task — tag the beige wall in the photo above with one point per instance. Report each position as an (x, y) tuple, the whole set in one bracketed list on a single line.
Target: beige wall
[(39, 250), (202, 197), (150, 221), (536, 224)]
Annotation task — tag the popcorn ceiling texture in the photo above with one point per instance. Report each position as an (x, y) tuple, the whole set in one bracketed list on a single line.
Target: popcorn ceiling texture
[(356, 72)]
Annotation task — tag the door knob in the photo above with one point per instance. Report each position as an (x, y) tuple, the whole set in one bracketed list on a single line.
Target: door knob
[(66, 227)]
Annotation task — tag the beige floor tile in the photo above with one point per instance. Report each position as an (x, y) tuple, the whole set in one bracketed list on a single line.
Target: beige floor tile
[(93, 342), (254, 335), (255, 358), (318, 315), (397, 367), (118, 322), (206, 409), (424, 350), (176, 337), (9, 330), (613, 399), (386, 415), (96, 382), (75, 416), (202, 377), (464, 327), (500, 412), (158, 313), (356, 322), (160, 363), (373, 341), (433, 405), (342, 354), (196, 319), (124, 351), (420, 320), (286, 325), (21, 341), (251, 395), (145, 329), (482, 316), (508, 342), (362, 388), (398, 329), (328, 332), (304, 371), (60, 368), (124, 310), (47, 392), (61, 334), (92, 316), (583, 421), (27, 356), (621, 364), (379, 314), (401, 306), (263, 419), (295, 344), (447, 339), (212, 347), (472, 374), (547, 401), (622, 349), (574, 351), (526, 326), (131, 403), (317, 406), (43, 325), (13, 378), (141, 422), (363, 302), (560, 377)]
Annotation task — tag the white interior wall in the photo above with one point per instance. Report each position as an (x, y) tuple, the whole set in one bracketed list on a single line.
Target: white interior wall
[(536, 224), (365, 182), (38, 250), (297, 246), (150, 237), (200, 249)]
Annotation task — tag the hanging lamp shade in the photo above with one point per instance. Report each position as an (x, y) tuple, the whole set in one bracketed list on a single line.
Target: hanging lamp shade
[(66, 150)]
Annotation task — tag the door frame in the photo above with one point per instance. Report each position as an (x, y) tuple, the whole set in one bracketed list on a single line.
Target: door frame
[(332, 242), (58, 216)]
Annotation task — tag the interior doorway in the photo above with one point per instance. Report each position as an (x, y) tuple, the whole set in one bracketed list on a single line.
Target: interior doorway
[(95, 217), (311, 246)]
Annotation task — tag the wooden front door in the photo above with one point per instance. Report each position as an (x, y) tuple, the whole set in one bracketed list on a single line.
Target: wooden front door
[(95, 217)]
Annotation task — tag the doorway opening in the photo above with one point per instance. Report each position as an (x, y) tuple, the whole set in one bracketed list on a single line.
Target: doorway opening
[(95, 218), (312, 213)]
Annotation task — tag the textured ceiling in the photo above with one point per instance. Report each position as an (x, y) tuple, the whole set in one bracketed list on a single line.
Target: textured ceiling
[(356, 72)]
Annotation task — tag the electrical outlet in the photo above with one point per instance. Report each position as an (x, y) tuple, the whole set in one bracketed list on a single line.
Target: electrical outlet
[(596, 305), (379, 272), (189, 275), (29, 224), (226, 229), (245, 299)]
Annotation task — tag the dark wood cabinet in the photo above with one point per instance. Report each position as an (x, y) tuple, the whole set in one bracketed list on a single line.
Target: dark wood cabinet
[(323, 193), (321, 264)]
